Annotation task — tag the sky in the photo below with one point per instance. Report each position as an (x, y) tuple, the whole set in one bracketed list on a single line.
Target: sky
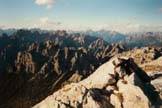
[(117, 15)]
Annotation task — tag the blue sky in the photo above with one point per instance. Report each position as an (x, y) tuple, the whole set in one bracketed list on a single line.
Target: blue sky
[(119, 15)]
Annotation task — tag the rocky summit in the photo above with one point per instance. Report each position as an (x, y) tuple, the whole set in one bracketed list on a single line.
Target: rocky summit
[(119, 83)]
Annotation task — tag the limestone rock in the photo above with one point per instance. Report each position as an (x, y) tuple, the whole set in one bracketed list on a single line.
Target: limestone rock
[(112, 85), (133, 96), (143, 55), (24, 62), (116, 101)]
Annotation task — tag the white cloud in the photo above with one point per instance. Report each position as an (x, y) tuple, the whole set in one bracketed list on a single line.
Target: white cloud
[(48, 3), (44, 20), (2, 26), (43, 23), (47, 21)]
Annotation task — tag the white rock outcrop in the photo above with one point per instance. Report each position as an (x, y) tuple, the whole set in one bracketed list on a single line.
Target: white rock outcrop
[(112, 85)]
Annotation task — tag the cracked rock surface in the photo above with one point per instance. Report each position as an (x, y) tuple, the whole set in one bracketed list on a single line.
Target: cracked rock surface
[(119, 83)]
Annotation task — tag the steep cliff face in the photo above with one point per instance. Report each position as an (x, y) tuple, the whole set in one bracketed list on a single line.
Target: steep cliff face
[(24, 63), (118, 83)]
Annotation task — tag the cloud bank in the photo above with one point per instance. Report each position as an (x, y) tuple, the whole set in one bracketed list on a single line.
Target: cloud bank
[(47, 23), (47, 3), (2, 26)]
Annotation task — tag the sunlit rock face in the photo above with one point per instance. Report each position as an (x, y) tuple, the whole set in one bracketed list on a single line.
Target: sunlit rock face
[(118, 83), (24, 63)]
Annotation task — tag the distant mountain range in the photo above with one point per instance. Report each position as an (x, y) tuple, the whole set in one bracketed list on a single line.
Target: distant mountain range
[(130, 39), (109, 36), (7, 31), (138, 39)]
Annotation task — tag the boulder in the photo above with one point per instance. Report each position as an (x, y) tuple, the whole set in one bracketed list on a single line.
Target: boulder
[(133, 96)]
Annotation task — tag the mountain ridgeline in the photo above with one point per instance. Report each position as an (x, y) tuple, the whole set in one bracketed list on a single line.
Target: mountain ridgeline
[(39, 63), (36, 63)]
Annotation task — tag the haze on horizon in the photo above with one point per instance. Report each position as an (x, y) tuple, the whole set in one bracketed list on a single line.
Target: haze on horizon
[(118, 15)]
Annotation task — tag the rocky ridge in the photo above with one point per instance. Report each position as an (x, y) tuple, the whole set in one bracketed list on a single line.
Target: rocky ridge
[(119, 83), (143, 55)]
